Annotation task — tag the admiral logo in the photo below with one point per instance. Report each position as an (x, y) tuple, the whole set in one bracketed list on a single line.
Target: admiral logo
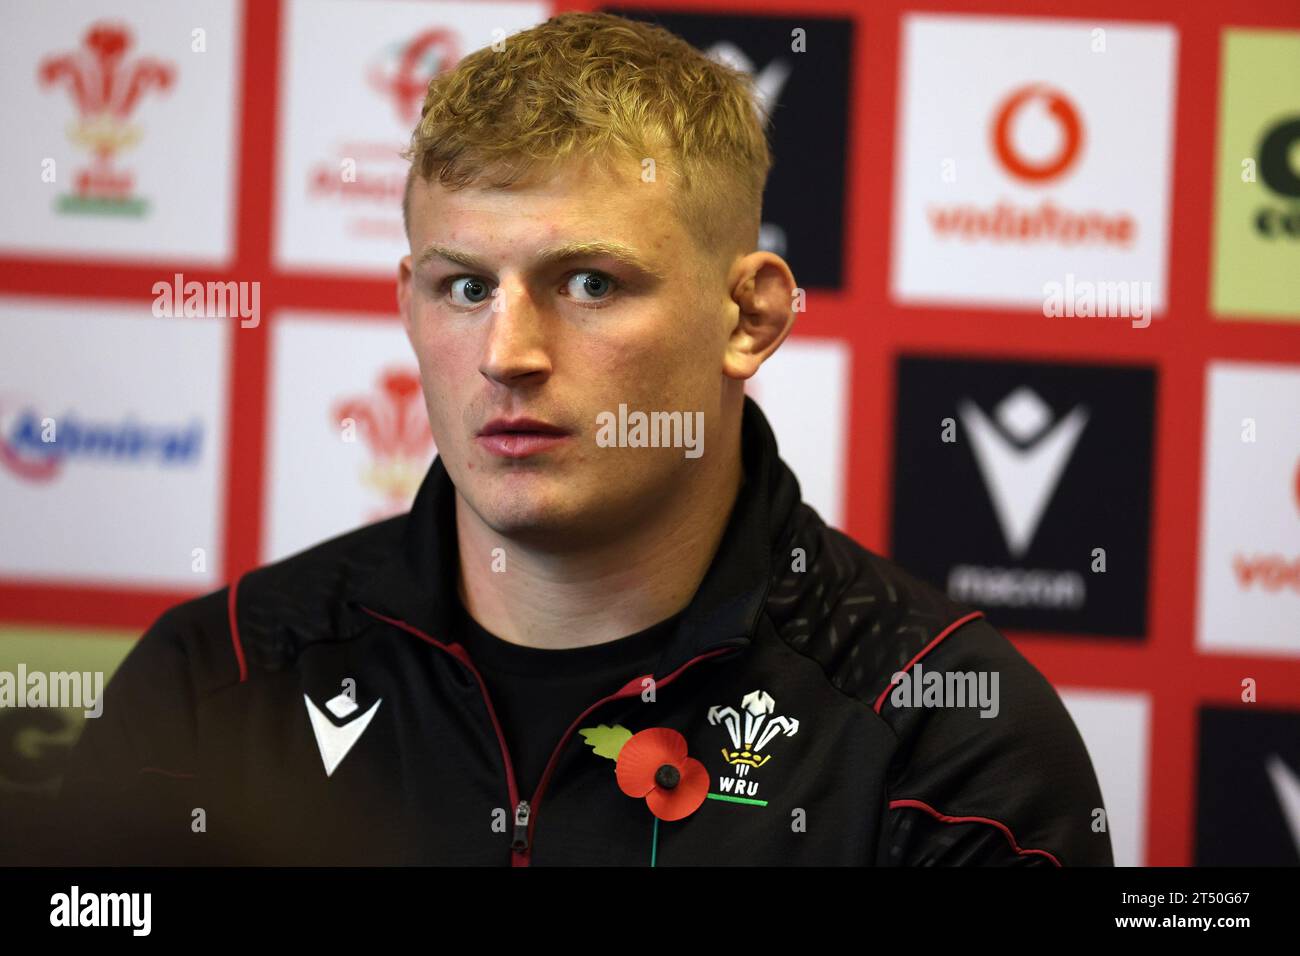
[(105, 86), (806, 95), (1248, 787), (37, 448), (1023, 489), (751, 729)]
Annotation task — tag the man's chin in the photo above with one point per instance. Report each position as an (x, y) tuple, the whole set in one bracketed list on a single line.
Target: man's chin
[(536, 525), (526, 507)]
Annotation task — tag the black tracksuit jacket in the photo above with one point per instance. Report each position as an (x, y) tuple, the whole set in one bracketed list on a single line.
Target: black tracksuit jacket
[(207, 750)]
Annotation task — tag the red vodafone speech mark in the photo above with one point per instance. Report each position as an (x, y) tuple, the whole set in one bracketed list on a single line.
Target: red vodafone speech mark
[(1064, 113)]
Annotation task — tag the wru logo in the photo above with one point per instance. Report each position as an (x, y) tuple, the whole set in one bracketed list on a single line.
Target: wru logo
[(759, 729)]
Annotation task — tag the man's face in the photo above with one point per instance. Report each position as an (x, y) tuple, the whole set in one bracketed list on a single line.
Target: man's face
[(518, 335)]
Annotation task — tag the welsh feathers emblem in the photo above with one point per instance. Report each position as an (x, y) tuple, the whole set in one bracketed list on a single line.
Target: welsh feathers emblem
[(753, 730)]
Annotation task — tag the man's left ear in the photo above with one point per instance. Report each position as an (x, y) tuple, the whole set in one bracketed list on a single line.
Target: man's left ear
[(404, 279), (763, 290)]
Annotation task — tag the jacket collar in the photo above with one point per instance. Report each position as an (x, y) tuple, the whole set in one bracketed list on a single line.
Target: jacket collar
[(417, 583)]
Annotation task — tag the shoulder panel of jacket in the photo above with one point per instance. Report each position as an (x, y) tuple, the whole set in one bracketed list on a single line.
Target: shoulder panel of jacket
[(859, 615), (1017, 789), (279, 609)]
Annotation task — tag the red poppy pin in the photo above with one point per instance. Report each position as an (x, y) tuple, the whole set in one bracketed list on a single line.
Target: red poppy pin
[(654, 764)]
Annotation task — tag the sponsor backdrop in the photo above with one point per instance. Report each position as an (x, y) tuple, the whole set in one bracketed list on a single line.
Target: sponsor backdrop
[(1050, 357)]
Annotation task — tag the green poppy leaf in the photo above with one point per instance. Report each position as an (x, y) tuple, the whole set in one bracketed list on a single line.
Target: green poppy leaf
[(605, 740)]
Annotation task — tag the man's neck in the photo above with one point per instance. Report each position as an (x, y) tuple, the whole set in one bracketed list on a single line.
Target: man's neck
[(552, 599)]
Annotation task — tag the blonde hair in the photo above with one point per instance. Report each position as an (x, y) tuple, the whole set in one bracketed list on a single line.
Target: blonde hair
[(601, 86)]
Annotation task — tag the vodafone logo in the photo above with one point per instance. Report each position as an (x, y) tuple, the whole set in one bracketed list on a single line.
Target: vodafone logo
[(1017, 126), (1270, 572), (1066, 118), (1249, 577), (1016, 165)]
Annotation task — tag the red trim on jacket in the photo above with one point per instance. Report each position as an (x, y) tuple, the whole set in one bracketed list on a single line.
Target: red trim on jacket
[(973, 615), (234, 633), (945, 818), (462, 655)]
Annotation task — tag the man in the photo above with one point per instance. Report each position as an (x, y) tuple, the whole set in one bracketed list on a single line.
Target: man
[(608, 631)]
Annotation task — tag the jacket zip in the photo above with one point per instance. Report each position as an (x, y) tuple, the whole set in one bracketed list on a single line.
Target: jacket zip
[(525, 812)]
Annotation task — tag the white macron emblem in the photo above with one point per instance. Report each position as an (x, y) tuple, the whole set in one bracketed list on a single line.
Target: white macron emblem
[(335, 741), (1286, 787), (1021, 480)]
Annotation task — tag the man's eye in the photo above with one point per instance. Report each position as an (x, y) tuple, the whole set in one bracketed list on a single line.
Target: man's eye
[(595, 284), (469, 291), (474, 289)]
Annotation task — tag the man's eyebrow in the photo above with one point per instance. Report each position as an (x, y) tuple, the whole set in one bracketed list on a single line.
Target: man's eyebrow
[(549, 255)]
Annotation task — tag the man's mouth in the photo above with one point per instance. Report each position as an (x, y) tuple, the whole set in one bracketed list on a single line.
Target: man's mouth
[(520, 437)]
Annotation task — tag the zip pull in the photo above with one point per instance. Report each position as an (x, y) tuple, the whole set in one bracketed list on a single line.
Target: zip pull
[(520, 841)]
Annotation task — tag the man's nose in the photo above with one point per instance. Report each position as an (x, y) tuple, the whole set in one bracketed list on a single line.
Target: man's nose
[(516, 346)]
